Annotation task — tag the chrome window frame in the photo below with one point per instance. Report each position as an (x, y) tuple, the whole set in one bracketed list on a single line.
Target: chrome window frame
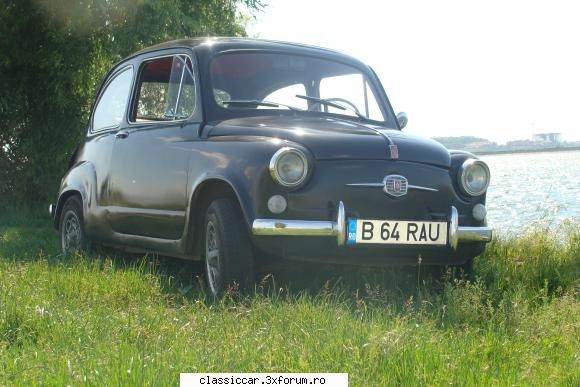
[(165, 122)]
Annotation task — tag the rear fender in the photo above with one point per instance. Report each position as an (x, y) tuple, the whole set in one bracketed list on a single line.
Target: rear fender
[(80, 180)]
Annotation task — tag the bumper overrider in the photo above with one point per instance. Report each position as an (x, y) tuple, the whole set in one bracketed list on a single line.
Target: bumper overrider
[(284, 227)]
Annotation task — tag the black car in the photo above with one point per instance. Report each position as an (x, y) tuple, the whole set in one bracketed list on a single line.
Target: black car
[(227, 150)]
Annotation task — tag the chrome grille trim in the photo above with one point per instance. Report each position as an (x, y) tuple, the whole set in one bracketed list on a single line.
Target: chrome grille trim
[(380, 185)]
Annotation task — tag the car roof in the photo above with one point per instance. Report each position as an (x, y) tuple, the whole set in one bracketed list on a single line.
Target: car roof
[(220, 44)]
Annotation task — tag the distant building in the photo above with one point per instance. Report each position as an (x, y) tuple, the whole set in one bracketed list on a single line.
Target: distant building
[(554, 138)]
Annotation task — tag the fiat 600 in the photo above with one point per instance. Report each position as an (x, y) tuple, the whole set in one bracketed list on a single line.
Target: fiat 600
[(232, 151)]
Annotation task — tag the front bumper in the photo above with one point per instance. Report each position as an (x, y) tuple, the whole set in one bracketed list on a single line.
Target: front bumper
[(282, 227)]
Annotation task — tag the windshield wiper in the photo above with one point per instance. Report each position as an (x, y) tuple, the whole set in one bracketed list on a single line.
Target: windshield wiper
[(330, 103), (255, 102)]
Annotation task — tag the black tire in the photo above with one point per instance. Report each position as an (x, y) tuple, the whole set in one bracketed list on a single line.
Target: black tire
[(71, 227), (229, 261), (466, 269), (463, 271)]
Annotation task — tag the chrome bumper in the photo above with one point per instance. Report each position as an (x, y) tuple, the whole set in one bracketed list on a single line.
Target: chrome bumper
[(283, 227)]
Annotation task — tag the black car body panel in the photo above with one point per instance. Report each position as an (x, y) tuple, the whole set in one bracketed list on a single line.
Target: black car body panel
[(331, 138)]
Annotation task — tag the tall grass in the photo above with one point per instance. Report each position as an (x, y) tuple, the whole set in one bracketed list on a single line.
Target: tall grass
[(100, 319)]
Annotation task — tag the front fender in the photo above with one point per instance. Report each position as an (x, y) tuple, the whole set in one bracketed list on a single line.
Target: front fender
[(457, 158), (241, 162), (236, 185)]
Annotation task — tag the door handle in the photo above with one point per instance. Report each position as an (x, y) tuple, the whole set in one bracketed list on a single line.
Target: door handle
[(122, 134)]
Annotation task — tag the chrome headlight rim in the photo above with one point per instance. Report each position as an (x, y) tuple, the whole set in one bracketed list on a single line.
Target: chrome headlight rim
[(278, 156), (462, 175)]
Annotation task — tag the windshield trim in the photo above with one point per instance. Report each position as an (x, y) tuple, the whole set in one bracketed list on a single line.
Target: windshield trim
[(218, 112)]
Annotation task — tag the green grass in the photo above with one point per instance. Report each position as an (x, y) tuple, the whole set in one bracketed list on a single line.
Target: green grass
[(103, 320)]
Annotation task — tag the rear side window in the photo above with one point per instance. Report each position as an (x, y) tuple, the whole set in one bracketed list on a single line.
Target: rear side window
[(165, 90), (111, 107)]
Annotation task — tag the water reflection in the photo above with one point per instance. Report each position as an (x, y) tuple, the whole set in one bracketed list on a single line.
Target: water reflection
[(531, 188)]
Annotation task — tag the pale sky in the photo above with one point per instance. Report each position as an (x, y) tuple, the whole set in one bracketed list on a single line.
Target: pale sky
[(499, 69)]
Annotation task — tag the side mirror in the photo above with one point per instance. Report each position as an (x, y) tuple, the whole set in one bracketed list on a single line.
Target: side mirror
[(403, 119)]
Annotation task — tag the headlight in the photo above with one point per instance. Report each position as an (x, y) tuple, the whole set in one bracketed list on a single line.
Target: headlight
[(289, 167), (474, 177)]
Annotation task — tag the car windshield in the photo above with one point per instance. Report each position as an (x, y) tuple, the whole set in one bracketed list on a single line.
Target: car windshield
[(258, 80)]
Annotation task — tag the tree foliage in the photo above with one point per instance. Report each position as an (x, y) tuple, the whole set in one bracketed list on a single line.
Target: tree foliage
[(53, 56)]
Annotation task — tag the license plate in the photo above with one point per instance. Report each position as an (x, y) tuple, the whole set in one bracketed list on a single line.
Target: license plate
[(396, 232)]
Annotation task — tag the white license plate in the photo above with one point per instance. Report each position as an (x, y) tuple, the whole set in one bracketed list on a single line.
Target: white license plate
[(396, 232)]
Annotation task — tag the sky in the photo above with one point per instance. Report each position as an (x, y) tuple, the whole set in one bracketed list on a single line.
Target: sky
[(498, 69)]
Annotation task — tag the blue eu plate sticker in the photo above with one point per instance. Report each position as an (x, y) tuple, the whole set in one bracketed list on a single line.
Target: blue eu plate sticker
[(351, 240)]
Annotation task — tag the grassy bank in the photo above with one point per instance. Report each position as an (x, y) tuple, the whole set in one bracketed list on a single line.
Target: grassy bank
[(103, 320)]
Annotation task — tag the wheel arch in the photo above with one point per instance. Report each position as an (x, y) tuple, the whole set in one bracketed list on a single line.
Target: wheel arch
[(80, 180), (60, 204), (205, 192)]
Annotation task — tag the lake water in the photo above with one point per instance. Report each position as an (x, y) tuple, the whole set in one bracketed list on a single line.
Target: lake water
[(531, 188)]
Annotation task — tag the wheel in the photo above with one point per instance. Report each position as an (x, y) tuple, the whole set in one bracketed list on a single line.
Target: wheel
[(71, 227), (466, 269), (463, 271), (229, 262)]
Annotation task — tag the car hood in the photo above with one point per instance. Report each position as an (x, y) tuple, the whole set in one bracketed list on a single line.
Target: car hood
[(331, 138)]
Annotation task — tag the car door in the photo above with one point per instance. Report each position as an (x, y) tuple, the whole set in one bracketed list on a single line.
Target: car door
[(149, 165), (107, 118)]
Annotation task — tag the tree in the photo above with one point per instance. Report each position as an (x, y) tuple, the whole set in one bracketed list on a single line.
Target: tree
[(53, 56)]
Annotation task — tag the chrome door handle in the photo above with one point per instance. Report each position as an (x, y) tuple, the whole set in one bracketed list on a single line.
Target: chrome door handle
[(122, 134)]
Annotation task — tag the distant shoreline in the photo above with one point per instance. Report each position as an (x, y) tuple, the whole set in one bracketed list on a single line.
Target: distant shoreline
[(537, 150)]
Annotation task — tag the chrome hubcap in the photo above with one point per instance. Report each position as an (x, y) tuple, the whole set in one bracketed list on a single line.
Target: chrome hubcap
[(212, 258), (71, 233)]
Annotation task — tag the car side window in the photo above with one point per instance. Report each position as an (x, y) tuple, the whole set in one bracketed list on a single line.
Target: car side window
[(112, 105), (166, 90)]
